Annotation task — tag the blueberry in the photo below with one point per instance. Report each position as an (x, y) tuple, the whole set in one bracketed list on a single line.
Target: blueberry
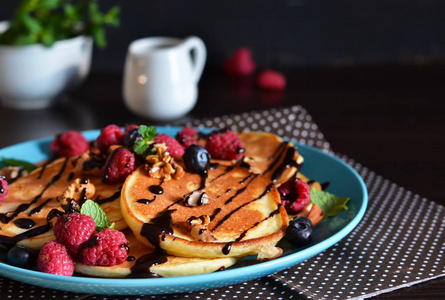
[(196, 159), (299, 231), (131, 137), (21, 256)]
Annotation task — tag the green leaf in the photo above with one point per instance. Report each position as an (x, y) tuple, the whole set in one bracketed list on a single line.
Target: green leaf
[(48, 21), (98, 34), (17, 163), (140, 147), (330, 204), (111, 17), (148, 132), (93, 210)]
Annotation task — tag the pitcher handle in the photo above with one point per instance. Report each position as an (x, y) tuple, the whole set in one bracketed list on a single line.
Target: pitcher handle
[(200, 55)]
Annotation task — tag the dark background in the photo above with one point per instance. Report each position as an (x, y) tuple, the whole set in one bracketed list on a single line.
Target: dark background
[(284, 33)]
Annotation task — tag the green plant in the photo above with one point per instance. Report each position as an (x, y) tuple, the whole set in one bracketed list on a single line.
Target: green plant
[(48, 21)]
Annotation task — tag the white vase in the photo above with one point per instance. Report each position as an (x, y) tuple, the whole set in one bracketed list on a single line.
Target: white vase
[(35, 76)]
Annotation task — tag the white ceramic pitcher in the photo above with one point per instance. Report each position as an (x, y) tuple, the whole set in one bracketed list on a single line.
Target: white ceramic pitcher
[(161, 76)]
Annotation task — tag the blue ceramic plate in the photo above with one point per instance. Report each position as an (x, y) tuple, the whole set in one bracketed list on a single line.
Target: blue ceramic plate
[(344, 181)]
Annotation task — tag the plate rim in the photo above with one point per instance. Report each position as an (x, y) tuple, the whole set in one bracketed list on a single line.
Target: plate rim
[(268, 267)]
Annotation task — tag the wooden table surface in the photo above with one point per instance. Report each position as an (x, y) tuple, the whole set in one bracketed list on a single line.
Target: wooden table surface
[(388, 118)]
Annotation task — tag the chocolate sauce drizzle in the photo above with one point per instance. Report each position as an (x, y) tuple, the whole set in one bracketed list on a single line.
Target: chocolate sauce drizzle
[(7, 217), (226, 171), (226, 217), (25, 223), (156, 189), (240, 191), (288, 161), (94, 162), (146, 201), (113, 197), (154, 232), (9, 242), (141, 269), (37, 209)]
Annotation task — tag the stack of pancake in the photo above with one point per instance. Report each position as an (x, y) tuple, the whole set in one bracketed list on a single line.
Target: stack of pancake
[(168, 234)]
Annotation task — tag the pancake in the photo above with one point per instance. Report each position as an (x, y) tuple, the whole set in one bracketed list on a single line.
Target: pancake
[(267, 154), (147, 262), (243, 215), (34, 199)]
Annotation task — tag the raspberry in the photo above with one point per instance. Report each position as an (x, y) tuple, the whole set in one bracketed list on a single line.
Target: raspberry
[(3, 189), (70, 143), (72, 230), (106, 248), (173, 145), (54, 259), (240, 63), (110, 135), (271, 80), (188, 136), (131, 127), (295, 195), (225, 145), (119, 164)]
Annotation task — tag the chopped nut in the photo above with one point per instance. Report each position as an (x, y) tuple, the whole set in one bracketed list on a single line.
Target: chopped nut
[(269, 252), (79, 191), (202, 220), (162, 164), (195, 198), (199, 228)]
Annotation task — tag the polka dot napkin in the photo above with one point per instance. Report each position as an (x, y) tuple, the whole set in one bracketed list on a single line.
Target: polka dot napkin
[(398, 243)]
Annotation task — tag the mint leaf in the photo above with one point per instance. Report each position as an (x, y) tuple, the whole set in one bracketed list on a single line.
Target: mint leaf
[(17, 163), (148, 133), (330, 204), (47, 21), (140, 147), (93, 210)]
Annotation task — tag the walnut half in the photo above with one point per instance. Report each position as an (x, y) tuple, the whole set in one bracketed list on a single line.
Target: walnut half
[(162, 164), (199, 228), (80, 190)]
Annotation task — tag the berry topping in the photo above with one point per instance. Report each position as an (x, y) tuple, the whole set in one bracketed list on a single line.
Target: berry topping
[(271, 80), (225, 145), (299, 231), (196, 159), (188, 136), (70, 143), (72, 230), (295, 195), (21, 256), (240, 63), (119, 164), (106, 248), (173, 146), (131, 127), (54, 259), (110, 135), (131, 137), (3, 189)]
